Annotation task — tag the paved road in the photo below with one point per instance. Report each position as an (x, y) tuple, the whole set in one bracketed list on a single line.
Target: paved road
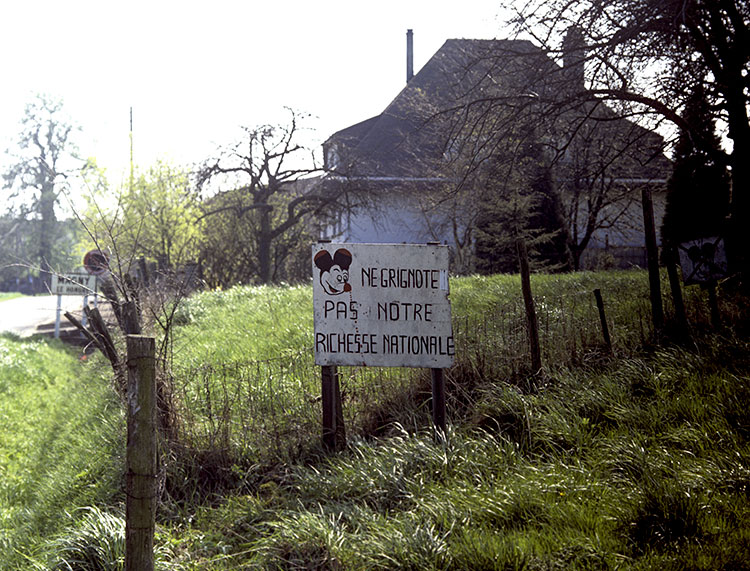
[(22, 315)]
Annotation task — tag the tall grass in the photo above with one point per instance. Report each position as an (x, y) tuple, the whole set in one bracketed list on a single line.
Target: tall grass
[(246, 323), (247, 385), (60, 442), (641, 464)]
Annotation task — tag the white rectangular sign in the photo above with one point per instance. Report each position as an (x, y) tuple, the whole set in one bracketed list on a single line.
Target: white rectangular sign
[(73, 284), (384, 305)]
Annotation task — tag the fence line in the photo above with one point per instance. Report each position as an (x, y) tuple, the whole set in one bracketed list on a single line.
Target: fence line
[(273, 405)]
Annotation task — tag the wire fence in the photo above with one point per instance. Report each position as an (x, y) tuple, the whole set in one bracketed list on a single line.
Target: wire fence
[(273, 406)]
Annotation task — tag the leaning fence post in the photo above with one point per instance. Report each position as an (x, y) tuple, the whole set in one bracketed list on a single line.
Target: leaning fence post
[(140, 508), (532, 325), (603, 319), (677, 299), (652, 256)]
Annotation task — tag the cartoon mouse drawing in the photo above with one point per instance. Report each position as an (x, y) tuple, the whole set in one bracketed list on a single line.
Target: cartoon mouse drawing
[(334, 272)]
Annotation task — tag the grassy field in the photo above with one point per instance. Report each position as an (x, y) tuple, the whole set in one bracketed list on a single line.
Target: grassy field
[(246, 323), (637, 461), (246, 381)]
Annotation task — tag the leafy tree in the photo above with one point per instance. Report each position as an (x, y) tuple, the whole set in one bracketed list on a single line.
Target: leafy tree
[(698, 190), (19, 243), (44, 157), (161, 216), (264, 182), (521, 203), (156, 216)]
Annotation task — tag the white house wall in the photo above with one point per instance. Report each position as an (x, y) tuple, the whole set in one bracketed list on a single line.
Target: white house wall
[(624, 245), (395, 220)]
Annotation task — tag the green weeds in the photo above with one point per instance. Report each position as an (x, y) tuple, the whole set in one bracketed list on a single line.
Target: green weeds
[(639, 460), (60, 442), (634, 465)]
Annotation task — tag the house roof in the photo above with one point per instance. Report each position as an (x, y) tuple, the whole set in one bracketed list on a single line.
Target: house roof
[(465, 76), (406, 130)]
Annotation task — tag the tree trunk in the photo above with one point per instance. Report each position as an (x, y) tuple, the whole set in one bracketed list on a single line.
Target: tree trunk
[(740, 211), (265, 242), (46, 232), (575, 254), (739, 132)]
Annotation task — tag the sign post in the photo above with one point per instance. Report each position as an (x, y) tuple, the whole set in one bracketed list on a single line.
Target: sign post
[(57, 315), (704, 262), (384, 305), (96, 263), (71, 284)]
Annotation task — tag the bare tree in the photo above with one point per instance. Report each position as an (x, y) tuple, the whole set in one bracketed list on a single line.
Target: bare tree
[(598, 158), (486, 101), (267, 181), (647, 56), (601, 165)]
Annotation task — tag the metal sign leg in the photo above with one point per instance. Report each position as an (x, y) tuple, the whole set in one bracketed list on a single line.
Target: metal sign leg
[(57, 317)]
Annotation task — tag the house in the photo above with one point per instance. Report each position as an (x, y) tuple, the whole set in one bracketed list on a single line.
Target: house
[(424, 161)]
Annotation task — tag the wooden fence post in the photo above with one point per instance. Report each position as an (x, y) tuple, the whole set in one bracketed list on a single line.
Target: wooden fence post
[(652, 256), (130, 318), (334, 432), (141, 454), (438, 403), (713, 305), (677, 299), (603, 319), (531, 321)]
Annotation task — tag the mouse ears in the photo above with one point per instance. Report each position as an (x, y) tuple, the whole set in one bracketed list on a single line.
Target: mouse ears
[(341, 258)]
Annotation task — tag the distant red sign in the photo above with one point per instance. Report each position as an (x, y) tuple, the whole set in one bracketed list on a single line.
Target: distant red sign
[(96, 262)]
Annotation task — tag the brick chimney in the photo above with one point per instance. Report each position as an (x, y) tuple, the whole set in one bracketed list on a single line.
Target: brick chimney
[(574, 56), (409, 55)]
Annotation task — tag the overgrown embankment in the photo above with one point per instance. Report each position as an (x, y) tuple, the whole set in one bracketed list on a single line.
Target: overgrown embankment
[(636, 461), (61, 432)]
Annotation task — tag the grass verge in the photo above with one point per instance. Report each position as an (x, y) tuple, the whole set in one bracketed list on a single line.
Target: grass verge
[(60, 444), (9, 295)]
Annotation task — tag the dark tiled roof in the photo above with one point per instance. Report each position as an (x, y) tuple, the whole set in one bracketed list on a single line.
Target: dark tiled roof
[(411, 135)]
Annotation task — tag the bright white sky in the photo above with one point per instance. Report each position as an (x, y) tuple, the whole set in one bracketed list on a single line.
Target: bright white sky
[(194, 71)]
